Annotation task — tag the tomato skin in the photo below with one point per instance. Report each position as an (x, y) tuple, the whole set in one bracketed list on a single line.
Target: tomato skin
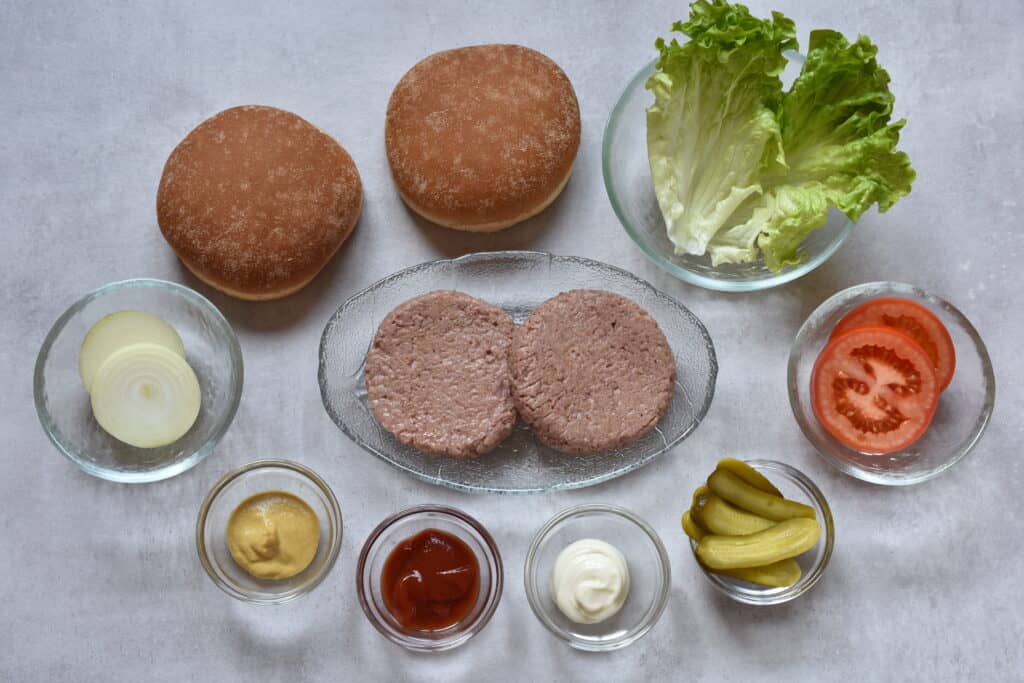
[(912, 319), (874, 389)]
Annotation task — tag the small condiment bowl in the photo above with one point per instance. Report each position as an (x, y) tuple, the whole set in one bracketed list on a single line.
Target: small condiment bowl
[(627, 179), (794, 485), (234, 488), (63, 406), (403, 525), (649, 573), (964, 407)]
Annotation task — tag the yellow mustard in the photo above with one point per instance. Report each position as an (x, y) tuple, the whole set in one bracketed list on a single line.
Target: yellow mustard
[(273, 535)]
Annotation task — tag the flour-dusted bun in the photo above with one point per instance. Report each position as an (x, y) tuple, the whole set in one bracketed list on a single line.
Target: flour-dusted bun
[(255, 201), (480, 138)]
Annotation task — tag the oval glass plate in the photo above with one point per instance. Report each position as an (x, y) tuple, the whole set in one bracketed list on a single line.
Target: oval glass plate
[(517, 281)]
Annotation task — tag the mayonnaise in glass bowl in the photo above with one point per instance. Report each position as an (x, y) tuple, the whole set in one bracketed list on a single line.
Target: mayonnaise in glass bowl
[(648, 568)]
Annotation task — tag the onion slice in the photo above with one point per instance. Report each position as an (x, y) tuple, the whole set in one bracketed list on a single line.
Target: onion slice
[(118, 330), (146, 395)]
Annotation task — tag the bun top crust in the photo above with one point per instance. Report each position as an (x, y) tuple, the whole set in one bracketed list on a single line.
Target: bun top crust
[(482, 134), (256, 200)]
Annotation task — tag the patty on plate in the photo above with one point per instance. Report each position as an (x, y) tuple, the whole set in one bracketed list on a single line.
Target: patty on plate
[(591, 371), (437, 374)]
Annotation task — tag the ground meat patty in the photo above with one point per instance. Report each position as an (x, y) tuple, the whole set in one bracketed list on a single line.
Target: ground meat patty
[(437, 374), (591, 371)]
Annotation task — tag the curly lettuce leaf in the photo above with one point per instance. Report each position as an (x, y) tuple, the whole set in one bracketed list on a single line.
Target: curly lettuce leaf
[(713, 129), (776, 223), (840, 150)]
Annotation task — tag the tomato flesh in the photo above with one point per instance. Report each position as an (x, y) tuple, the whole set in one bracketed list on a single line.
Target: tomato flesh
[(874, 389), (912, 319)]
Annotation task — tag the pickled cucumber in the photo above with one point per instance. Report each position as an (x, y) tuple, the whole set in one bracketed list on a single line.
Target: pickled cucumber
[(731, 488), (691, 528), (748, 474), (786, 539), (720, 517), (781, 574), (699, 496)]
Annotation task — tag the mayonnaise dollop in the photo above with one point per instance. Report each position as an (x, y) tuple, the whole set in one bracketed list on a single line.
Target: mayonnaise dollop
[(590, 581)]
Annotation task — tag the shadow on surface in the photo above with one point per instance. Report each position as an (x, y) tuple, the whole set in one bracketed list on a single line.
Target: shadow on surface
[(277, 314), (524, 235)]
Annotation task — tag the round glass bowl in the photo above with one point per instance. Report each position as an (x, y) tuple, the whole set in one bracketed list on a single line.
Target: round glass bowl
[(517, 282), (649, 574), (233, 489), (397, 528), (627, 178), (964, 407), (63, 405), (794, 485)]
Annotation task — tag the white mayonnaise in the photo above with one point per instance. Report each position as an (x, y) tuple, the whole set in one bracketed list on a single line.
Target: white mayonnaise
[(590, 581)]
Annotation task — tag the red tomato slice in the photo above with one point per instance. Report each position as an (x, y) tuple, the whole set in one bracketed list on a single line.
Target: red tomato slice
[(915, 320), (875, 389)]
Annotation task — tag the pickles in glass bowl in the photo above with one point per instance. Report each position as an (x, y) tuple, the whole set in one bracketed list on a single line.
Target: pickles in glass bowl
[(757, 543)]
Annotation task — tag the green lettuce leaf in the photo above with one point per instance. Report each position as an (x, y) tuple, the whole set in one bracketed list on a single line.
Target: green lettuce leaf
[(840, 150), (713, 129), (776, 223)]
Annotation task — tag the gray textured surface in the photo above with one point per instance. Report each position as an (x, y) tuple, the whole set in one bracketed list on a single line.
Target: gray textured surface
[(101, 582)]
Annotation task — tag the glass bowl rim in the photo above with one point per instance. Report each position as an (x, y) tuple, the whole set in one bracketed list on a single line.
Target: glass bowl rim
[(610, 129), (490, 604), (652, 615), (334, 510), (807, 581), (204, 449), (699, 414), (892, 288)]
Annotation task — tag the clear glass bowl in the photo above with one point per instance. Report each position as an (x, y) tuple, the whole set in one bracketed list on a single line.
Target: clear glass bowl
[(649, 572), (234, 488), (403, 525), (63, 405), (516, 281), (627, 178), (794, 485), (964, 408)]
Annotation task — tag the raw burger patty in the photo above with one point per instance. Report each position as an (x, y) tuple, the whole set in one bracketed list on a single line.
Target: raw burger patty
[(437, 374), (591, 371)]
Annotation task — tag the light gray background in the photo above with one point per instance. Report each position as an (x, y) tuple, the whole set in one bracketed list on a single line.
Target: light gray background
[(100, 581)]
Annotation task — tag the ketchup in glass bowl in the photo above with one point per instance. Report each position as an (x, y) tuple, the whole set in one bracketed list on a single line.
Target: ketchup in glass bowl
[(430, 581), (429, 578)]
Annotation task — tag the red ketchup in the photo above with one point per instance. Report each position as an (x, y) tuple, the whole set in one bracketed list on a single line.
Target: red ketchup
[(430, 581)]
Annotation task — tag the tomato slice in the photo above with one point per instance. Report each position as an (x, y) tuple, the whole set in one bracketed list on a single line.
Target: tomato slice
[(915, 320), (875, 389)]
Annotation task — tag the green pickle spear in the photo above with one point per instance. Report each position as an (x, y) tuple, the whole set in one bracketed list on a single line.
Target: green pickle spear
[(748, 474), (720, 517), (784, 540), (781, 574), (691, 528), (728, 486), (699, 497)]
